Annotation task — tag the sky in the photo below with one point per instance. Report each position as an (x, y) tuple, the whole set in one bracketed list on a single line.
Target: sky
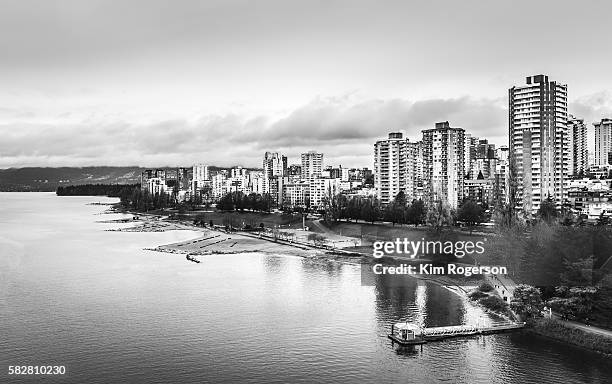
[(173, 83)]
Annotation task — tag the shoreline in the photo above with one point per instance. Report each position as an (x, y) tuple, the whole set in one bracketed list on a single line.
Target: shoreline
[(214, 241), (556, 330)]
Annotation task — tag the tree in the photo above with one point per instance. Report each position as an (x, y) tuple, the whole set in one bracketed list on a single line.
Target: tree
[(332, 208), (354, 208), (505, 217), (527, 301), (603, 219), (316, 238), (396, 209), (125, 195), (342, 202), (578, 272), (439, 216), (370, 210), (573, 303), (226, 203), (470, 213), (416, 212), (548, 210)]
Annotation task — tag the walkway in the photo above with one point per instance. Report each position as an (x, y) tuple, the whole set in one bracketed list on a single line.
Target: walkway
[(584, 327)]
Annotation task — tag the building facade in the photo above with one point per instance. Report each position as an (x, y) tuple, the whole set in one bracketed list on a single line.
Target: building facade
[(312, 165), (398, 167), (389, 163), (274, 169), (579, 156), (443, 163), (603, 141), (539, 141)]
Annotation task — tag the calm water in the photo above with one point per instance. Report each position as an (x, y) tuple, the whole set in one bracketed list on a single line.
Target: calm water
[(72, 294)]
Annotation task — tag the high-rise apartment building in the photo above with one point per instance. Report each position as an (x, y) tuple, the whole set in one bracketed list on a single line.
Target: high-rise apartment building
[(539, 141), (274, 164), (579, 158), (502, 169), (603, 141), (274, 169), (389, 167), (397, 167), (312, 164), (443, 163), (470, 145), (414, 171)]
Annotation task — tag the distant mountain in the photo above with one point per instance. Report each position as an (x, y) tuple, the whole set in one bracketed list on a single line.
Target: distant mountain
[(48, 179), (40, 179)]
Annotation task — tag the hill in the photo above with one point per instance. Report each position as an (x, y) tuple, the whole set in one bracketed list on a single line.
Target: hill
[(41, 179)]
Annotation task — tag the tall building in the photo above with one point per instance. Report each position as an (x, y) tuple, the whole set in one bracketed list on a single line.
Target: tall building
[(312, 164), (294, 172), (502, 165), (274, 170), (539, 142), (443, 163), (470, 146), (200, 179), (482, 158), (603, 141), (414, 171), (579, 157), (389, 163), (274, 164), (398, 166)]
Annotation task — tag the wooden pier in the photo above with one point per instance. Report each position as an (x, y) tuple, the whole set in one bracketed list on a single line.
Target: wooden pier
[(411, 334)]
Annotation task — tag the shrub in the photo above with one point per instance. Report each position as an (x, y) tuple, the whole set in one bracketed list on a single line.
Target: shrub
[(485, 287), (477, 295), (494, 303)]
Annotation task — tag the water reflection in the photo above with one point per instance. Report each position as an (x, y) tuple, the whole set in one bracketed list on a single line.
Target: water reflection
[(96, 302), (416, 301)]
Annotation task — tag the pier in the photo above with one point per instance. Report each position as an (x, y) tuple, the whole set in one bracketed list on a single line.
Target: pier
[(411, 334)]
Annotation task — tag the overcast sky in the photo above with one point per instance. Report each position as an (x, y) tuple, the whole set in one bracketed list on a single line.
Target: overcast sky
[(155, 83)]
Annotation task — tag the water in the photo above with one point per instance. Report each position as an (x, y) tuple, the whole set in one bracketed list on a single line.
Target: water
[(72, 294)]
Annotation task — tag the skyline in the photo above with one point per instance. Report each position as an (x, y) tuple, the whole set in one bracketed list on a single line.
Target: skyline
[(189, 83)]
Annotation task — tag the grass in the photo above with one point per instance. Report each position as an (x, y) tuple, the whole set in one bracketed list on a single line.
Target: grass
[(558, 330), (254, 219), (388, 232), (376, 231)]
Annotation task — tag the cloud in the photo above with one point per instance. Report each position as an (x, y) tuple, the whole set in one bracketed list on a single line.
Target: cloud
[(337, 120), (341, 127), (593, 107)]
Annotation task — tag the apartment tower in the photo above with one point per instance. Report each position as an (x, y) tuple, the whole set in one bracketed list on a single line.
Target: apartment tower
[(443, 163), (539, 141), (603, 141), (397, 168), (312, 165), (579, 157)]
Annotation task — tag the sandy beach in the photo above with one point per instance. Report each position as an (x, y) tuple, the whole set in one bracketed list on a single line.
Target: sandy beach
[(219, 242)]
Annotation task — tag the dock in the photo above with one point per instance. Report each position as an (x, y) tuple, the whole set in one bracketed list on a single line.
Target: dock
[(411, 334)]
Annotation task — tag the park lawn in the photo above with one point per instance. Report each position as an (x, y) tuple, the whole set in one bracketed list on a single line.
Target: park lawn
[(254, 219), (389, 232)]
